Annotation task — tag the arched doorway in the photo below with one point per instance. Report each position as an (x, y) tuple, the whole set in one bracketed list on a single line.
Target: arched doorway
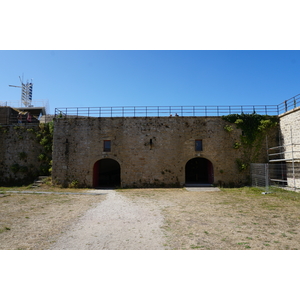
[(199, 170), (106, 173)]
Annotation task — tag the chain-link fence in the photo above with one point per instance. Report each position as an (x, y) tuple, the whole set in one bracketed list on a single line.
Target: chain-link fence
[(281, 174), (260, 176)]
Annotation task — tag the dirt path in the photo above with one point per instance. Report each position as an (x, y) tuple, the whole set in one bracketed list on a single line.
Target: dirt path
[(116, 224)]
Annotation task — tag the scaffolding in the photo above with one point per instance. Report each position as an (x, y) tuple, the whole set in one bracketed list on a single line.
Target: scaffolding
[(282, 169), (284, 164)]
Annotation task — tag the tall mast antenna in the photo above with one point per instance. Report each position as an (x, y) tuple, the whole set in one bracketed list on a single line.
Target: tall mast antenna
[(26, 93)]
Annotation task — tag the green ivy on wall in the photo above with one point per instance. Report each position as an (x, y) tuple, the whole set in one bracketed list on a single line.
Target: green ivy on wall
[(24, 171), (254, 128), (45, 138)]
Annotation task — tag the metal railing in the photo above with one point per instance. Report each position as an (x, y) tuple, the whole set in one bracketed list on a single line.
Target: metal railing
[(164, 111), (12, 120), (289, 104), (35, 103)]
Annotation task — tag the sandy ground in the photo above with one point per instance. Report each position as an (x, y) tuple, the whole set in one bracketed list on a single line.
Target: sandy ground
[(116, 223)]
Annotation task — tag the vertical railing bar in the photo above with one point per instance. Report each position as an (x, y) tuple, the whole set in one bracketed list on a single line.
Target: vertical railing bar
[(267, 177), (285, 105)]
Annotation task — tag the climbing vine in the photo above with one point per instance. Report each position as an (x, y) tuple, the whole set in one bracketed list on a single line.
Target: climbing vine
[(254, 128), (45, 138), (27, 152), (43, 135)]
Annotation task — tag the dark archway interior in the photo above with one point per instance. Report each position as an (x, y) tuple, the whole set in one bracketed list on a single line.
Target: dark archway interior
[(107, 173), (199, 171)]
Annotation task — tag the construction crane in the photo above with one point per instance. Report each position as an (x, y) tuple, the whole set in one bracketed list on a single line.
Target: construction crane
[(26, 93)]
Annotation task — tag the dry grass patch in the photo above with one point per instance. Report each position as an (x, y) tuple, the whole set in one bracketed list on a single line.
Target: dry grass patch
[(32, 221), (231, 219)]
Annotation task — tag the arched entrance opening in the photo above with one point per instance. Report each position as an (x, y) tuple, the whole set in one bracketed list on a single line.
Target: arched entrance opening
[(106, 173), (199, 170)]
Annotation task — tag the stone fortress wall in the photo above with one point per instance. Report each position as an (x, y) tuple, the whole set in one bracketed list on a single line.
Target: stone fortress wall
[(19, 153), (22, 157), (150, 151), (290, 142)]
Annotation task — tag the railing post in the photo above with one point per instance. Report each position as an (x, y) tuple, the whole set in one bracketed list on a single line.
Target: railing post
[(285, 105), (267, 177)]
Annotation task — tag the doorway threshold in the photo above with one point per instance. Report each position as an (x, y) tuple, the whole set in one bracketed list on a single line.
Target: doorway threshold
[(198, 185)]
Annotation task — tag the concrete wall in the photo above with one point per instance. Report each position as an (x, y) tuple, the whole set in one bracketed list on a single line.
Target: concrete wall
[(78, 145)]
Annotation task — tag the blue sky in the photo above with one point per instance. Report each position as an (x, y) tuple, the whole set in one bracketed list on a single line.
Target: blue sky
[(132, 78)]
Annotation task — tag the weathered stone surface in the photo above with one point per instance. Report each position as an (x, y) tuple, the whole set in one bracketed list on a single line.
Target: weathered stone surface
[(151, 151), (290, 140), (19, 153)]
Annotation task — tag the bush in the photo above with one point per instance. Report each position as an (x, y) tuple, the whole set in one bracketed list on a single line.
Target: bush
[(74, 184)]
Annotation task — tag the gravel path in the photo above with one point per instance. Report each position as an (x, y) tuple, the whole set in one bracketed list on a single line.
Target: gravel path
[(115, 224)]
